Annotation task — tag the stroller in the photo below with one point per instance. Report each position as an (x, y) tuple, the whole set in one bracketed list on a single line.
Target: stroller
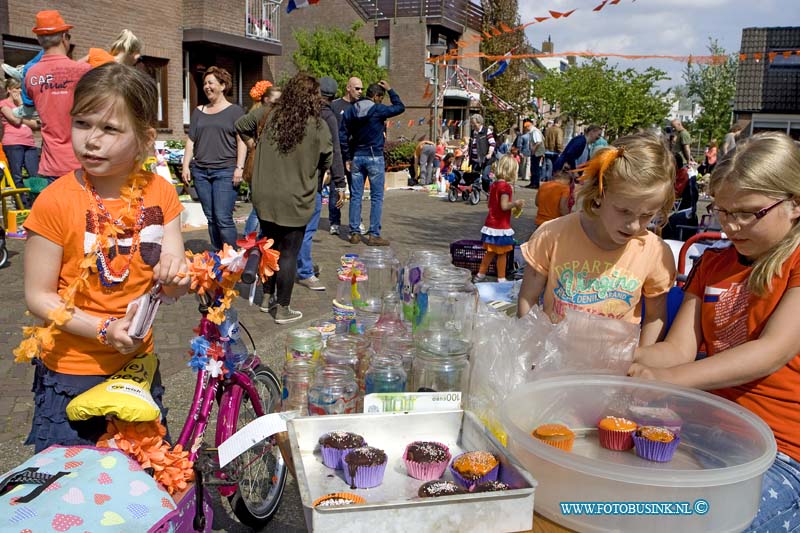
[(467, 185)]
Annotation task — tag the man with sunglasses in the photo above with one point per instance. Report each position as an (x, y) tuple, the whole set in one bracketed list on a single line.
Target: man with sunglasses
[(352, 93), (50, 83)]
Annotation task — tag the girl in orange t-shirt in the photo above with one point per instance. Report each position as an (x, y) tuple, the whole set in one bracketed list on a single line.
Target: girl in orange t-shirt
[(552, 200), (99, 238), (126, 49), (742, 303)]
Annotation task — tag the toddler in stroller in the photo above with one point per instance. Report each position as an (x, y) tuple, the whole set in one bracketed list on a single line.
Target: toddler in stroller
[(467, 185)]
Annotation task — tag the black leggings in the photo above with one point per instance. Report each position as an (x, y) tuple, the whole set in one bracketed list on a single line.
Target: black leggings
[(288, 241)]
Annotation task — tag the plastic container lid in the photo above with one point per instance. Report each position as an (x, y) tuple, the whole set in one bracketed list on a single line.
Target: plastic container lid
[(721, 442)]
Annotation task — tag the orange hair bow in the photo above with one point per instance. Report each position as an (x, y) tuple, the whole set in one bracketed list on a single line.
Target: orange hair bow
[(259, 89), (598, 165)]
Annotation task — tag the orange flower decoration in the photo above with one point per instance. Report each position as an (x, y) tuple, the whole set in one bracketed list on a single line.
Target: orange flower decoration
[(269, 260), (259, 90)]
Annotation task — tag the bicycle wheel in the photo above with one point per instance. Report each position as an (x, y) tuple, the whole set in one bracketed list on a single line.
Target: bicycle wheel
[(261, 471)]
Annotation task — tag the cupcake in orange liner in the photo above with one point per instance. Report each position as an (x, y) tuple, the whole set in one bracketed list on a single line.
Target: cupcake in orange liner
[(337, 499), (471, 468), (616, 433), (655, 443), (556, 435), (426, 460)]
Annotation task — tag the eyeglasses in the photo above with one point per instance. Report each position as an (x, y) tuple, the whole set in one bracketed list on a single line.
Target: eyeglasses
[(358, 88), (743, 218)]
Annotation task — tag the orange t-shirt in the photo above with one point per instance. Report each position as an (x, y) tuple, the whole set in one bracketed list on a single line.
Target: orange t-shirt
[(548, 200), (732, 315), (98, 56), (61, 215)]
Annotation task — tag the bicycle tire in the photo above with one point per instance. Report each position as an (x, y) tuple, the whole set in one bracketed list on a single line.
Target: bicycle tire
[(3, 256), (255, 508)]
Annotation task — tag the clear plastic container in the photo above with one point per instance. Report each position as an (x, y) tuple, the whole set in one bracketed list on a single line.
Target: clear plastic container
[(298, 375), (446, 306), (723, 453)]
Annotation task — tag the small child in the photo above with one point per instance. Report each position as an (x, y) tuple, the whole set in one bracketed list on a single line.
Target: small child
[(742, 304), (447, 169), (552, 200), (602, 259), (126, 49), (497, 235), (98, 238)]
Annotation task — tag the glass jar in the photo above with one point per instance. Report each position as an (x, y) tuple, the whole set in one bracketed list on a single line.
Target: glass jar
[(349, 350), (382, 267), (333, 392), (411, 275), (400, 346), (303, 344), (432, 372), (350, 272), (298, 374), (385, 374), (445, 310), (388, 325)]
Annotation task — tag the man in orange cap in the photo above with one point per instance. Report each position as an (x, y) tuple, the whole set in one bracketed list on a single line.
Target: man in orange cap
[(50, 83)]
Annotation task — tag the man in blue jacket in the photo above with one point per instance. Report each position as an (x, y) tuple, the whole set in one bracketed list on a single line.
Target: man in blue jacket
[(362, 135), (575, 148)]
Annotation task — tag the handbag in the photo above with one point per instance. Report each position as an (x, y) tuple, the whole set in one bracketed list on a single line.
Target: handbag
[(250, 160)]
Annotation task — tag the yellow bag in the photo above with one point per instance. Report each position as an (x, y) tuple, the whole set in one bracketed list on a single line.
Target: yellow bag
[(125, 395)]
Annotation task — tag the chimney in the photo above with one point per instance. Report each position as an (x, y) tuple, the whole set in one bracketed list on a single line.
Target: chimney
[(547, 46)]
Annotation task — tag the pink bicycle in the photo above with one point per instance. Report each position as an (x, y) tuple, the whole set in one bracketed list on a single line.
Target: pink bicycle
[(244, 389)]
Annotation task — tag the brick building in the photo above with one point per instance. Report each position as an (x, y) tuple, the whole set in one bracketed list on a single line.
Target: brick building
[(768, 92), (403, 30), (181, 39)]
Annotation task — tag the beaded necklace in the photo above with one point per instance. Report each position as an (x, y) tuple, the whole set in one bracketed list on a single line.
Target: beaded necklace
[(108, 227)]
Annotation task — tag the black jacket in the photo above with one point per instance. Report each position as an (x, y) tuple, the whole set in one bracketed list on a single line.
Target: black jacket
[(337, 168)]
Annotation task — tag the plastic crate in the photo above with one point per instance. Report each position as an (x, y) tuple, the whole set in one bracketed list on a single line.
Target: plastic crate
[(469, 254)]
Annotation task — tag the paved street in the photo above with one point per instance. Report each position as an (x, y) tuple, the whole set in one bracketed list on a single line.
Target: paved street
[(411, 220)]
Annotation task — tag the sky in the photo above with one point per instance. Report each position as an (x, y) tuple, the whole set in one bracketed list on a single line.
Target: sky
[(675, 27)]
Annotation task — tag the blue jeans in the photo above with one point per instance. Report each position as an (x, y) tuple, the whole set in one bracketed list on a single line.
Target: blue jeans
[(20, 156), (373, 167), (214, 187), (780, 497), (305, 265), (252, 224)]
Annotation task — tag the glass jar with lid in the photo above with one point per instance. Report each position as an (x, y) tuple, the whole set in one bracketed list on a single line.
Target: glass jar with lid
[(298, 375), (382, 268), (333, 392), (350, 273), (411, 276), (435, 372), (385, 374), (303, 343), (445, 310)]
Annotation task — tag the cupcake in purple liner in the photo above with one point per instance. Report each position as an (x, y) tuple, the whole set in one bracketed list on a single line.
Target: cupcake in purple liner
[(490, 486), (364, 467), (471, 468), (336, 444), (426, 460), (655, 443)]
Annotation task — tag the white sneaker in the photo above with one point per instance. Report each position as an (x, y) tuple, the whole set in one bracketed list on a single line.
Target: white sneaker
[(334, 229), (312, 283)]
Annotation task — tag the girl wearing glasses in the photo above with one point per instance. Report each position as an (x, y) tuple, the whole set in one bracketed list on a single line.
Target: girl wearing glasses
[(742, 303)]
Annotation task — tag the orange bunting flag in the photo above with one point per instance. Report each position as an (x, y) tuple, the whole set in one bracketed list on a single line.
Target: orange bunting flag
[(742, 57), (568, 13), (771, 56), (757, 56), (786, 54), (601, 6), (541, 19), (556, 14), (496, 32), (487, 34), (462, 44), (614, 2), (505, 28), (411, 123), (476, 38)]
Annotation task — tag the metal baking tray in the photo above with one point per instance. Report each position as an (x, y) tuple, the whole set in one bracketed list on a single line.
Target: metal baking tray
[(394, 505)]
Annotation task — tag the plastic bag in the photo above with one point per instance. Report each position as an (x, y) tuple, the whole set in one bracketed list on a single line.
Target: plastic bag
[(509, 352)]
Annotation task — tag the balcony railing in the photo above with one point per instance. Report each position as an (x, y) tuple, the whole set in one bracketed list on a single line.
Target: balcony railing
[(467, 13), (262, 20)]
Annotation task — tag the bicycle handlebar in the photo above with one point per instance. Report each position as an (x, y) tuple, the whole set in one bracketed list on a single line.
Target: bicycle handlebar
[(250, 272)]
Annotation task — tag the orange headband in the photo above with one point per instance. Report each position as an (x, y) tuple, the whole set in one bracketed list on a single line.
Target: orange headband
[(597, 166)]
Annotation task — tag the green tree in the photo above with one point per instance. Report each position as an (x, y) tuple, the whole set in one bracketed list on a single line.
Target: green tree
[(337, 53), (714, 87), (622, 101), (512, 86)]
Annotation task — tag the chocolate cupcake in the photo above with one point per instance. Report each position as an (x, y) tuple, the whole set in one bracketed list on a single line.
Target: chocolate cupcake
[(336, 444), (364, 467), (655, 443), (426, 460), (436, 488), (471, 468), (338, 499), (490, 486)]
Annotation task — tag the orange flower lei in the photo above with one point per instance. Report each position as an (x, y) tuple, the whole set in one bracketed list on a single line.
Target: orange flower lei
[(41, 338), (259, 89)]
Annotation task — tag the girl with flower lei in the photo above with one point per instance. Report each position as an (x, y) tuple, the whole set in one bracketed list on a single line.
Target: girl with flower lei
[(99, 237)]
